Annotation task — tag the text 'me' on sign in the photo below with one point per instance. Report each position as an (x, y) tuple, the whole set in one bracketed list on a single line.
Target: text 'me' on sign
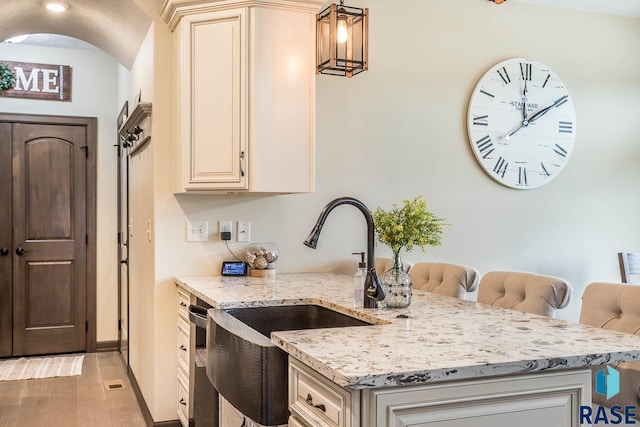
[(39, 81)]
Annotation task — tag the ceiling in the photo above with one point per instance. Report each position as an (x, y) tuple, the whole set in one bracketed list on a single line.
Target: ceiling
[(115, 26), (119, 26)]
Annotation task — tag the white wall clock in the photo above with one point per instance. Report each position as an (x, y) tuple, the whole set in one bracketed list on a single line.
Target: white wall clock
[(521, 123)]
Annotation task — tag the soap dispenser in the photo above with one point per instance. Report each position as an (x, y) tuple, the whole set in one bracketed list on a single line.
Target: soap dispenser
[(358, 281)]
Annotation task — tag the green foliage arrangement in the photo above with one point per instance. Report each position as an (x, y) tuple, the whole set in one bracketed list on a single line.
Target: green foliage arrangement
[(407, 226), (7, 78)]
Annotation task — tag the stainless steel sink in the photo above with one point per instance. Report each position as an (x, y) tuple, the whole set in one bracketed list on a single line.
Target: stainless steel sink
[(246, 368)]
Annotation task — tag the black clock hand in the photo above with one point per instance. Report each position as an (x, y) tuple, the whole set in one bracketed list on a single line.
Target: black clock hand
[(545, 110), (510, 134), (536, 116), (525, 122), (525, 112)]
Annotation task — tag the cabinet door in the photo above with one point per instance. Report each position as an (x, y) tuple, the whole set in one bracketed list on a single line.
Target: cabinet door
[(212, 100), (230, 416), (543, 399)]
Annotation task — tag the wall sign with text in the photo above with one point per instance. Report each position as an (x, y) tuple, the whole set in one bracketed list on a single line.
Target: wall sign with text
[(39, 81)]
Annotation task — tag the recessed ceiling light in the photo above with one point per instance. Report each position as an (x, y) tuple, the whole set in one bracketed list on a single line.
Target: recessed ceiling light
[(56, 6), (17, 39)]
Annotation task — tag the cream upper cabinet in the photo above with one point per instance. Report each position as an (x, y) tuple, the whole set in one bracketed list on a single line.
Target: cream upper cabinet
[(245, 94)]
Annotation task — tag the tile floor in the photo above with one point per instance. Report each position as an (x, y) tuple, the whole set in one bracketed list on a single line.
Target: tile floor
[(78, 401)]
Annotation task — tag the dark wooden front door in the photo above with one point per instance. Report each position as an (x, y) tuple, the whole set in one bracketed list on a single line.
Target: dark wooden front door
[(50, 234)]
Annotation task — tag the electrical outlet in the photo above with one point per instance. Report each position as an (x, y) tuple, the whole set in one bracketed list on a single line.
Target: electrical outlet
[(225, 228), (244, 231), (197, 231)]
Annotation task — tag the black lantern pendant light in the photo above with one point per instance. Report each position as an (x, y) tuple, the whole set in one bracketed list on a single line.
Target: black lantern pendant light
[(342, 40)]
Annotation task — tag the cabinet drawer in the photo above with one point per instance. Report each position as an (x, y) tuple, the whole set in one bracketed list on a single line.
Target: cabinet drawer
[(184, 346), (183, 399), (316, 400), (293, 422), (184, 299)]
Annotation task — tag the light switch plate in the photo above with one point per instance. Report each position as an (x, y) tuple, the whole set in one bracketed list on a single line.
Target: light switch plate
[(244, 231), (197, 231)]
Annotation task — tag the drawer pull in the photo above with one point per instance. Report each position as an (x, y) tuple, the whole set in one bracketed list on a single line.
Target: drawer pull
[(182, 402), (182, 304), (309, 401), (183, 348)]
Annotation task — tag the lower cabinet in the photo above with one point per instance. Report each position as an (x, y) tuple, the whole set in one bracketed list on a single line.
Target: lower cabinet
[(314, 400), (293, 422), (543, 399), (230, 416), (185, 357)]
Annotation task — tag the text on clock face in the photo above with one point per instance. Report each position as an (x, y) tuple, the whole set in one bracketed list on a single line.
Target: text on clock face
[(518, 105)]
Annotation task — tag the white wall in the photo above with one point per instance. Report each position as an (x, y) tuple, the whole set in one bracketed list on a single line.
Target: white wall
[(95, 87), (398, 130)]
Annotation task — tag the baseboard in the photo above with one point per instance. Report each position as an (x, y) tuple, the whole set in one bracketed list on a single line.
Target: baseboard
[(107, 346), (173, 423), (146, 413)]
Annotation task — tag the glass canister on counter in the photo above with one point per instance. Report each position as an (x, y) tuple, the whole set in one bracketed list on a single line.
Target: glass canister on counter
[(261, 258)]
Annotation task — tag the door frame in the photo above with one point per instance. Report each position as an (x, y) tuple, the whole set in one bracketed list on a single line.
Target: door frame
[(123, 242), (91, 128)]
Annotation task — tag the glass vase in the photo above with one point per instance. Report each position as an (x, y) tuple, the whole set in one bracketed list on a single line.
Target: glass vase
[(397, 286)]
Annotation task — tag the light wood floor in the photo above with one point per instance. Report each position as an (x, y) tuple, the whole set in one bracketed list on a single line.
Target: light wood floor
[(79, 401)]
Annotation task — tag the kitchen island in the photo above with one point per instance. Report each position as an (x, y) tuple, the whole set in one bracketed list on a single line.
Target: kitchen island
[(442, 360)]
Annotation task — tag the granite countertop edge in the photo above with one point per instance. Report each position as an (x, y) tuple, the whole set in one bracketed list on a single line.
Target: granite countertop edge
[(442, 339)]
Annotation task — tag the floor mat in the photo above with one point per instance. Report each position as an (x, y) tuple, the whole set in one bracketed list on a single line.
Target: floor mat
[(41, 367)]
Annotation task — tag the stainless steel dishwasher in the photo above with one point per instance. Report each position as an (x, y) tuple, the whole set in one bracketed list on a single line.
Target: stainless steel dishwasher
[(205, 396)]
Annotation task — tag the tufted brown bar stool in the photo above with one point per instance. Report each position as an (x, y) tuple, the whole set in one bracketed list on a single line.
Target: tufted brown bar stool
[(442, 278), (530, 292), (615, 306)]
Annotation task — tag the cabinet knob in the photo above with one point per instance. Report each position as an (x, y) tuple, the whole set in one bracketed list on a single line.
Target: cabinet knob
[(183, 348), (20, 251), (182, 402), (4, 252)]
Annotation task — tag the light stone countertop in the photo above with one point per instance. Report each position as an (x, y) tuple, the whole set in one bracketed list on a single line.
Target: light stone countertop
[(443, 339)]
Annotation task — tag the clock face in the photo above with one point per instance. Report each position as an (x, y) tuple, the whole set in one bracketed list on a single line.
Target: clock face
[(521, 123)]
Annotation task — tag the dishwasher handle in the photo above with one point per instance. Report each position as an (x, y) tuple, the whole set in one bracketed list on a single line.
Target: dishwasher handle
[(198, 316)]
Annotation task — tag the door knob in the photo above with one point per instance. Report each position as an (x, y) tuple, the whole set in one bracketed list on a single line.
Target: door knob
[(4, 252), (20, 251)]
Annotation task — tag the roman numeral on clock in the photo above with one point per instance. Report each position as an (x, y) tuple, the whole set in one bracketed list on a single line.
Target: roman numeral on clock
[(501, 167), (490, 95), (485, 146), (481, 120), (545, 172), (522, 176), (502, 72), (565, 127), (560, 151), (525, 71)]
